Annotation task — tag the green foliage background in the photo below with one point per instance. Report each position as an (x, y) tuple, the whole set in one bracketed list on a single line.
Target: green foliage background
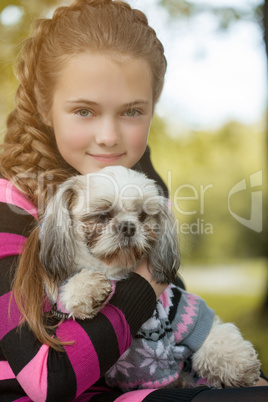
[(214, 161)]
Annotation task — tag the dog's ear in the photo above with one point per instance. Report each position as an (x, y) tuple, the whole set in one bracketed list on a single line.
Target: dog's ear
[(164, 256), (57, 239)]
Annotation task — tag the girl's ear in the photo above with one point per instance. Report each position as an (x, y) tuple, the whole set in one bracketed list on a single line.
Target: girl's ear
[(57, 239), (164, 256)]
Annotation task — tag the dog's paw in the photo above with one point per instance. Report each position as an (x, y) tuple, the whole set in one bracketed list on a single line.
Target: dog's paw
[(84, 294), (225, 358)]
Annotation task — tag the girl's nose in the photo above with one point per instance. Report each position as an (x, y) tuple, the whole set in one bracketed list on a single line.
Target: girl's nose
[(107, 132)]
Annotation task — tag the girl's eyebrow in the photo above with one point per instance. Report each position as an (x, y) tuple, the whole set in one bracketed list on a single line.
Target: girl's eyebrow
[(89, 102), (137, 102)]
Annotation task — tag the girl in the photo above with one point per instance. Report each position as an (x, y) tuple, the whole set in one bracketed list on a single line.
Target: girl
[(89, 81)]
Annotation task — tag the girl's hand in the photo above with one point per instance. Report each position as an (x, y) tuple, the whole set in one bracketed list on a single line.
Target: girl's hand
[(142, 270), (262, 383)]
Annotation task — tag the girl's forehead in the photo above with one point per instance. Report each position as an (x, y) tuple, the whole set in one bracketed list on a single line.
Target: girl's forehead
[(99, 62), (93, 76)]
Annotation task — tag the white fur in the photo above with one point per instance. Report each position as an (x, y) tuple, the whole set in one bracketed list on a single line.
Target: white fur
[(226, 358), (74, 294)]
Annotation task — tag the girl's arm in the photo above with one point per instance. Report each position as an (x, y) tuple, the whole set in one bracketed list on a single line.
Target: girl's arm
[(43, 373)]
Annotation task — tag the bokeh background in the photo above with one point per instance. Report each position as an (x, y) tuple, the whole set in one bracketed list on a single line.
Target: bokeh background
[(208, 142)]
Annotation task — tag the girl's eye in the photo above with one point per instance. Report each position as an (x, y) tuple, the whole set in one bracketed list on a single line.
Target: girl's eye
[(83, 113), (132, 113)]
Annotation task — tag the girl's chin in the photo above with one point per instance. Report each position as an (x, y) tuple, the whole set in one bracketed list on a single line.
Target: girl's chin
[(96, 167)]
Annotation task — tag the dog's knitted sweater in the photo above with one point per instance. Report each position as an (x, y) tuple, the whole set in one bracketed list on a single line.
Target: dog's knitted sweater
[(177, 328)]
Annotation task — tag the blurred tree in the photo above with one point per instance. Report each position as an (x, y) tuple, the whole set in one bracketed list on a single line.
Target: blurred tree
[(16, 18), (265, 26), (225, 16)]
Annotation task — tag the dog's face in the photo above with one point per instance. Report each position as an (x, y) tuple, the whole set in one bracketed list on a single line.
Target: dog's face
[(116, 215)]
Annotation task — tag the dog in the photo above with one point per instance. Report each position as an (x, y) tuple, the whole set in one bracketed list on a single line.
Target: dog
[(95, 230)]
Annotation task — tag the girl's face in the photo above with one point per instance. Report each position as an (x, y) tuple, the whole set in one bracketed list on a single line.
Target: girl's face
[(102, 110)]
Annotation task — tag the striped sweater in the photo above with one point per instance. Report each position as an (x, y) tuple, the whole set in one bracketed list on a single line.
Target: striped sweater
[(31, 371)]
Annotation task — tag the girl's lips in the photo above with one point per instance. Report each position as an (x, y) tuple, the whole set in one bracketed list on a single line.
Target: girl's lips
[(106, 158)]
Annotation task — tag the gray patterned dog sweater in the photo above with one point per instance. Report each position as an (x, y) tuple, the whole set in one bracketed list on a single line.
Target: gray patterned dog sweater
[(178, 327)]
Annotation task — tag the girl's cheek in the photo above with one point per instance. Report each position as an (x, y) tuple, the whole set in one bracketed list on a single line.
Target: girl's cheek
[(76, 138), (139, 139)]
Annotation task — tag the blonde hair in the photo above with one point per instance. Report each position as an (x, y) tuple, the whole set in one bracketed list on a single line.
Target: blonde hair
[(30, 155), (87, 25)]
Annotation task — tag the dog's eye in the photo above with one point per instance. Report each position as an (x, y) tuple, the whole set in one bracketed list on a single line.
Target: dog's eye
[(104, 217), (142, 216)]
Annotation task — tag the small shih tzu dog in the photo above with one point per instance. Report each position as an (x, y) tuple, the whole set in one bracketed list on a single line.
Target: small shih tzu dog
[(97, 228)]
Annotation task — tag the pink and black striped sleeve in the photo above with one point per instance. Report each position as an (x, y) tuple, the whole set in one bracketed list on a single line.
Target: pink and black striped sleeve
[(33, 371)]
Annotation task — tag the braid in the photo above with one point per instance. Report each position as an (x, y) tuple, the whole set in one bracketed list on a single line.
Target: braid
[(29, 146), (93, 3), (30, 149)]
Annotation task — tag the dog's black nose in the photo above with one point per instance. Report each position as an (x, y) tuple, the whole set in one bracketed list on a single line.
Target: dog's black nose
[(127, 228)]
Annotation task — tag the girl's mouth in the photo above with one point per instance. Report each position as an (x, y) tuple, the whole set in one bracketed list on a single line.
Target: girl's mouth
[(107, 158)]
